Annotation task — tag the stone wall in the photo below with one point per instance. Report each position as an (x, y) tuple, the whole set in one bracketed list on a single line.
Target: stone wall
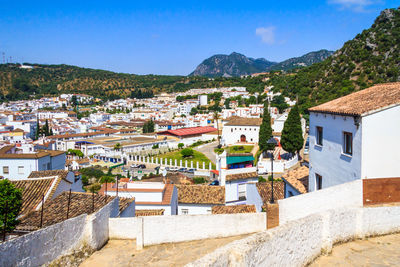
[(43, 246), (47, 244), (299, 242), (345, 195)]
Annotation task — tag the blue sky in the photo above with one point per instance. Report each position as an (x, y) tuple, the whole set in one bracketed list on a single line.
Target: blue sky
[(173, 37)]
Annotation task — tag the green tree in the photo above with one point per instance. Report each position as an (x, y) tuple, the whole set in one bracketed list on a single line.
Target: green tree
[(74, 101), (187, 152), (292, 135), (107, 179), (37, 132), (117, 146), (13, 197), (194, 111), (180, 145), (46, 128), (279, 102), (265, 132), (148, 127)]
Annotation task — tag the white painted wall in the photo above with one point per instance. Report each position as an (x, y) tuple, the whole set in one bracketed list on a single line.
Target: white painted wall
[(299, 242), (195, 209), (231, 134), (45, 245), (380, 144), (328, 160), (195, 227), (339, 196), (123, 228)]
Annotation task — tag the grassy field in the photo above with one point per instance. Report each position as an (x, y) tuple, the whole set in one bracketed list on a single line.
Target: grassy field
[(197, 157), (239, 149)]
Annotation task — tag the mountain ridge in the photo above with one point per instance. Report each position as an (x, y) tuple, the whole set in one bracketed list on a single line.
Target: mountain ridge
[(236, 64)]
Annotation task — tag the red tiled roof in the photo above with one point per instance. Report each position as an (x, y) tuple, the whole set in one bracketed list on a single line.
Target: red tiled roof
[(189, 131), (368, 100)]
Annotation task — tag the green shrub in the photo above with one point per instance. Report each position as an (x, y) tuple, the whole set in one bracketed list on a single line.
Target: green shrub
[(261, 179), (187, 152), (199, 180), (180, 145)]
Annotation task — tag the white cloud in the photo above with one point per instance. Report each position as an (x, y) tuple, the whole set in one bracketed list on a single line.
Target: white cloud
[(267, 34), (355, 5)]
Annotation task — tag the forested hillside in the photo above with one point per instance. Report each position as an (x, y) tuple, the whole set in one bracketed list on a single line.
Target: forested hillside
[(373, 56)]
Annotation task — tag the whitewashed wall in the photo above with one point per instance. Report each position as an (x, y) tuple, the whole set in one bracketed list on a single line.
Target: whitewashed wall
[(45, 245), (34, 249), (299, 242), (344, 195), (195, 227), (123, 228), (380, 144), (328, 160)]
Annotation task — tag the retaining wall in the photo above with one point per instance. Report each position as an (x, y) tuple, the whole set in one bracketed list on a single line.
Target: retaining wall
[(299, 242), (47, 244), (348, 195)]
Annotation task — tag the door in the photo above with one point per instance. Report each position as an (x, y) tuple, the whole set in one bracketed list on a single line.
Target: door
[(243, 138)]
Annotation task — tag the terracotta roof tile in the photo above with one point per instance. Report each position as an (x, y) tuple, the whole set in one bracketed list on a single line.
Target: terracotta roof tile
[(264, 189), (374, 98), (239, 121), (49, 173), (239, 176), (201, 194), (55, 210), (233, 209), (32, 192), (298, 178), (149, 212)]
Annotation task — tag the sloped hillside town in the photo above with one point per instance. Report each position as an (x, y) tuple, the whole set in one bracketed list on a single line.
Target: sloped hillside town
[(89, 173)]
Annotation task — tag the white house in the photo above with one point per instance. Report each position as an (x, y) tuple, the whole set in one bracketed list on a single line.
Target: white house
[(355, 137), (15, 165), (148, 195), (239, 177), (241, 130), (199, 199)]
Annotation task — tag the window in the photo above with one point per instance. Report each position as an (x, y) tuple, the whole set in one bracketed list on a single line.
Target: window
[(347, 143), (5, 170), (242, 191), (318, 181), (319, 135), (231, 130), (48, 166), (185, 211), (20, 169)]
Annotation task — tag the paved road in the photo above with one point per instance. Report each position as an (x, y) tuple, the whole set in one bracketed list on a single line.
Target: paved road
[(377, 251), (124, 253), (208, 150)]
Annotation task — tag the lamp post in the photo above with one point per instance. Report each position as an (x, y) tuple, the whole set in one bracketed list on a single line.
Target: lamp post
[(272, 143)]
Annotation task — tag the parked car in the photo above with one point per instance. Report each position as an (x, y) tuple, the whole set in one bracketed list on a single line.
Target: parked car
[(134, 166), (191, 170), (215, 182), (173, 169), (182, 169), (142, 166)]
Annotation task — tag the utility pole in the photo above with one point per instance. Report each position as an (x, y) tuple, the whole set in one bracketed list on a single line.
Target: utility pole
[(41, 212), (69, 202)]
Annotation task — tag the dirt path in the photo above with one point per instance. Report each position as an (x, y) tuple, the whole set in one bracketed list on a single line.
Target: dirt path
[(377, 251), (124, 253)]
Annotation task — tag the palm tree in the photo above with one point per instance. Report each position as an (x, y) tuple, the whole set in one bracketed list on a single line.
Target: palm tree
[(216, 117), (117, 146)]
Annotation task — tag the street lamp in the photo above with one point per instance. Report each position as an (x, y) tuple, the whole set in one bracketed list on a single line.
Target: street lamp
[(272, 143)]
